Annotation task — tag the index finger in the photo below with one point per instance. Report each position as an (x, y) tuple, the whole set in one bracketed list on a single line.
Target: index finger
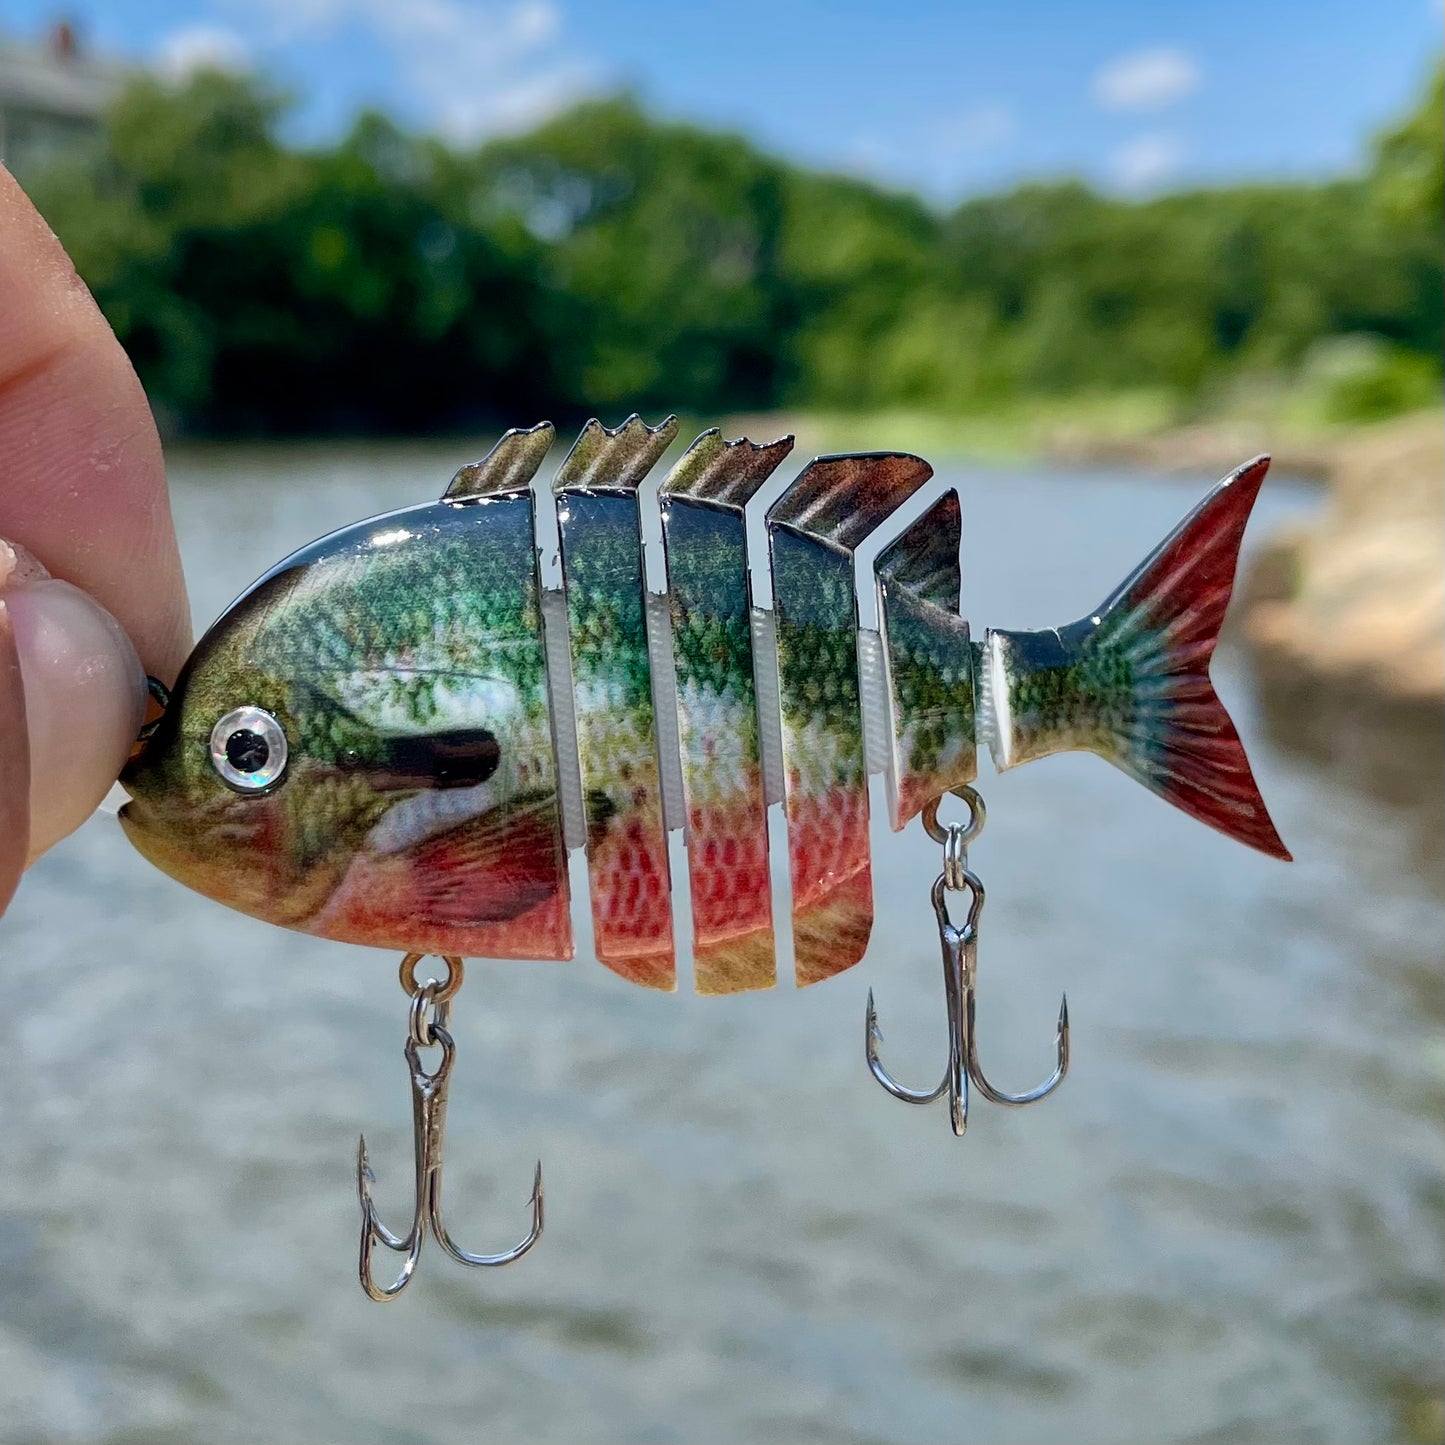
[(82, 481)]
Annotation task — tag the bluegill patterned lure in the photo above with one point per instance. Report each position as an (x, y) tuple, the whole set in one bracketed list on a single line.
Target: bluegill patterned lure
[(396, 734), (404, 661)]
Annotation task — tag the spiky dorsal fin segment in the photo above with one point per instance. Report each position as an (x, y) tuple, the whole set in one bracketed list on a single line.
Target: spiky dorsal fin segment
[(726, 474), (508, 467), (615, 460), (924, 559), (840, 500), (1131, 681)]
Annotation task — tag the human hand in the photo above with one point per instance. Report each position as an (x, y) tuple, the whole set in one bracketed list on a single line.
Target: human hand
[(91, 594)]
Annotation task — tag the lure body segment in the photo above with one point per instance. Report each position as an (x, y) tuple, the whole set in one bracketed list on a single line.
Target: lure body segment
[(834, 504), (710, 599), (601, 533), (930, 662), (424, 793)]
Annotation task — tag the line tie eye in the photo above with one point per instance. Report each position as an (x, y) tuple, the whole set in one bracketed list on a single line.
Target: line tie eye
[(248, 749)]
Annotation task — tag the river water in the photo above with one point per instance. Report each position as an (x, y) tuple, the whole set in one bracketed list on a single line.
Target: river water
[(1227, 1225)]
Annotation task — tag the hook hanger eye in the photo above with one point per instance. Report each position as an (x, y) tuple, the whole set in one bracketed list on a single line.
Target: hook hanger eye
[(969, 883)]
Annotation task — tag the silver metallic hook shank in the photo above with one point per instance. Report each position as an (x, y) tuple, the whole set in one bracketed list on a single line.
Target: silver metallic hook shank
[(427, 1025), (959, 947)]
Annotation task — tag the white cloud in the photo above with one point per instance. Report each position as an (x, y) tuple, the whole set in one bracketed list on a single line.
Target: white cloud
[(482, 67), (982, 128), (288, 20), (201, 47), (1146, 80), (1146, 161), (940, 155), (873, 158), (470, 67)]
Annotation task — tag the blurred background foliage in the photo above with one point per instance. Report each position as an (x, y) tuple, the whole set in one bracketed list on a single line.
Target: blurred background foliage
[(609, 261)]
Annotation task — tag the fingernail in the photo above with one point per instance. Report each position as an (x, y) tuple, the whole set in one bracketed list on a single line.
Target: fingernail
[(85, 694)]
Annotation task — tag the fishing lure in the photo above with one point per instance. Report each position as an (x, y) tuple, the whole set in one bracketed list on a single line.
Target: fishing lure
[(394, 737)]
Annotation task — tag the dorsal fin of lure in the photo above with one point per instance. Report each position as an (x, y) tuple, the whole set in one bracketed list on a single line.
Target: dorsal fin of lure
[(924, 559), (615, 459), (727, 474), (1131, 681), (839, 500), (929, 662), (508, 467)]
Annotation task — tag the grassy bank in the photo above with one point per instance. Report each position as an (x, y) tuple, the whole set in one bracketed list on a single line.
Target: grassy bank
[(1137, 428)]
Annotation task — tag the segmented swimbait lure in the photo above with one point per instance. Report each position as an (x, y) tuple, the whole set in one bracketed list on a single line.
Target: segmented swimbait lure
[(395, 735)]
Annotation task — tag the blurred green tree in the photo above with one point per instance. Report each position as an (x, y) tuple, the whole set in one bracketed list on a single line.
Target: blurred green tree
[(609, 261), (261, 289)]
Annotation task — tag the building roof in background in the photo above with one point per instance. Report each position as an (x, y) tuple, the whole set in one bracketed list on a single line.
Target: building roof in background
[(57, 76)]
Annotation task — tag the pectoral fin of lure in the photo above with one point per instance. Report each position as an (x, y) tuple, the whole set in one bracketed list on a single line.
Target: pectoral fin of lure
[(1131, 681), (471, 869)]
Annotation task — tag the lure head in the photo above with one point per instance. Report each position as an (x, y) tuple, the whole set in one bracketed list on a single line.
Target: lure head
[(239, 793), (360, 747)]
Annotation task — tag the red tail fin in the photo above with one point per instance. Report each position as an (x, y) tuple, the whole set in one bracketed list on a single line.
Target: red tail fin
[(1131, 681)]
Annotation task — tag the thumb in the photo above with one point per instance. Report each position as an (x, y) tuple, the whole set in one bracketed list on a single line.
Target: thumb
[(76, 682)]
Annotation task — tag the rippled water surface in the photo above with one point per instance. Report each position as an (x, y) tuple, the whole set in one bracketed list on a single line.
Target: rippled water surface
[(1226, 1225)]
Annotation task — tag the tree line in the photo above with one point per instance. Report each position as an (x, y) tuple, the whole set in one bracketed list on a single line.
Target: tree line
[(609, 261)]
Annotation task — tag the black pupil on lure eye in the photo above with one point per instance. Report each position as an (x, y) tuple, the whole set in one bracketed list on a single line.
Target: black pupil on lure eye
[(246, 751)]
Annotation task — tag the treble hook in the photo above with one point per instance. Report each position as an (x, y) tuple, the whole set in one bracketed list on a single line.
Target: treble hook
[(960, 984), (429, 1112)]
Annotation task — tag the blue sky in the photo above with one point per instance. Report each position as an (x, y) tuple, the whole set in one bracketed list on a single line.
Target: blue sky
[(947, 98)]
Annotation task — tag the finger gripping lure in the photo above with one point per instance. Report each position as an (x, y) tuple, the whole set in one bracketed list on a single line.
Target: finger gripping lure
[(395, 736)]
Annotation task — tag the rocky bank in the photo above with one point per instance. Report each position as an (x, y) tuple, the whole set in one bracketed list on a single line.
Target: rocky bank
[(1355, 605)]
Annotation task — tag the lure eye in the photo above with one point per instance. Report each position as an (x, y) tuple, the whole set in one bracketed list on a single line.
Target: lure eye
[(248, 749)]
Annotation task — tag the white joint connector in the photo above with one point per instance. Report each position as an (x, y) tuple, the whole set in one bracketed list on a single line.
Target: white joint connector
[(770, 715), (662, 656), (564, 717), (873, 700)]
